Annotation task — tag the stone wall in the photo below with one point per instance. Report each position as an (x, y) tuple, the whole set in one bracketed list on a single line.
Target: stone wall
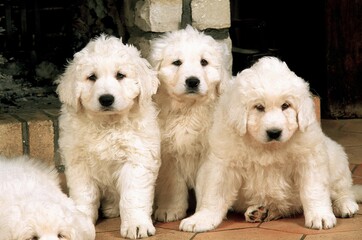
[(148, 19)]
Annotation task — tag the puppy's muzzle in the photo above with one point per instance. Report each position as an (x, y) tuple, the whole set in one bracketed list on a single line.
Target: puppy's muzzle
[(192, 84), (106, 100), (274, 134)]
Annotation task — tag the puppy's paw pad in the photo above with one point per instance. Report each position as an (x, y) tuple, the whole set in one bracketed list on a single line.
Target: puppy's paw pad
[(169, 215), (256, 213)]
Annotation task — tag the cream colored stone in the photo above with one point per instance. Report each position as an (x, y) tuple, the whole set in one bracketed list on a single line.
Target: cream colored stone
[(210, 14), (158, 15)]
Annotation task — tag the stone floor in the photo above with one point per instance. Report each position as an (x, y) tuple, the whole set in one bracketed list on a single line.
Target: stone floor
[(346, 132)]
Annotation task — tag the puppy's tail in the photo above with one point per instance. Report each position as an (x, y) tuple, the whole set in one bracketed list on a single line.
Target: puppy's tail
[(357, 190)]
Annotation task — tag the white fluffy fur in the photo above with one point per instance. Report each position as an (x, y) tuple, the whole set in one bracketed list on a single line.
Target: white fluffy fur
[(185, 117), (33, 205), (302, 170), (111, 153)]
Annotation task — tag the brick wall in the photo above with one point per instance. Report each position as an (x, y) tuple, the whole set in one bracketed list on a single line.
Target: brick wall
[(32, 133)]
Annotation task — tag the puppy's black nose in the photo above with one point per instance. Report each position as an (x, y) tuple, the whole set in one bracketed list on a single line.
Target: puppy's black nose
[(274, 134), (106, 100), (192, 82)]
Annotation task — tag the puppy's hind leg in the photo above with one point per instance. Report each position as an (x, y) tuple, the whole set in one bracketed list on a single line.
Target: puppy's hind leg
[(110, 203), (171, 195), (342, 195), (357, 190), (343, 200)]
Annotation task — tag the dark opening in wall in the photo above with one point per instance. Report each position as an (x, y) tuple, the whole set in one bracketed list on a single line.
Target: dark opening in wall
[(37, 37), (292, 30)]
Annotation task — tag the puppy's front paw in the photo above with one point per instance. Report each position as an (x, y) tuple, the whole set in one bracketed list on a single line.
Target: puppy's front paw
[(138, 229), (256, 213), (201, 221), (169, 215), (315, 220)]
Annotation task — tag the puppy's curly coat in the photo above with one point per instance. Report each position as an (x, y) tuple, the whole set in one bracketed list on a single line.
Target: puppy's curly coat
[(269, 157)]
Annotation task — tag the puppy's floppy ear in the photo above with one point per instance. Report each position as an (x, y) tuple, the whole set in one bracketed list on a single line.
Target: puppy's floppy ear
[(68, 89), (225, 58), (306, 109), (156, 54), (148, 80), (224, 81), (236, 101), (237, 113)]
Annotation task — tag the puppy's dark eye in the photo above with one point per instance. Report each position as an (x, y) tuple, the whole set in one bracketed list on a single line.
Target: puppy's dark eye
[(120, 76), (177, 63), (285, 106), (34, 238), (92, 77), (260, 108), (204, 62), (61, 236)]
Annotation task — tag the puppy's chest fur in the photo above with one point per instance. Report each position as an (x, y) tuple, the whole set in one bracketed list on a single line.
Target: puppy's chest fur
[(101, 143), (275, 183), (184, 137)]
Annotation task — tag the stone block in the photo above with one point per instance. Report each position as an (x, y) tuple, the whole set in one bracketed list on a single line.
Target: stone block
[(210, 14), (158, 15), (11, 141), (40, 134)]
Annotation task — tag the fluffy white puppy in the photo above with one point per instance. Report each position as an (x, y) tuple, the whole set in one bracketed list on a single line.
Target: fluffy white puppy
[(269, 157), (109, 135), (33, 205), (191, 69)]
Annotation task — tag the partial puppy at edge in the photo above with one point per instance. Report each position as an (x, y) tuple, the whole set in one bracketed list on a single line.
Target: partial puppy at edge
[(33, 205)]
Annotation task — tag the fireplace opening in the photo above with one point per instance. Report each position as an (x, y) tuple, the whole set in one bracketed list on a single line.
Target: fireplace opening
[(38, 37)]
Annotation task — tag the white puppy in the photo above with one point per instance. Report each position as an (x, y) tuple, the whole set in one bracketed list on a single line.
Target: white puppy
[(269, 157), (33, 205), (109, 135), (191, 69)]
